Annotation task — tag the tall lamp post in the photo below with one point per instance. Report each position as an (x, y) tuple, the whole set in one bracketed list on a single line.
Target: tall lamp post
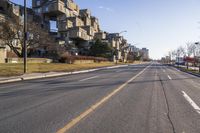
[(25, 38), (122, 32)]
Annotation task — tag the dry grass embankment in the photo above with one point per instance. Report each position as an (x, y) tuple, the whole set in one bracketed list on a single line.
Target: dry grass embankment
[(17, 69)]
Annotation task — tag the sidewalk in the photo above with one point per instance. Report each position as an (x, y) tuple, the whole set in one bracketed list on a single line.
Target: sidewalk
[(184, 69), (50, 74), (193, 68)]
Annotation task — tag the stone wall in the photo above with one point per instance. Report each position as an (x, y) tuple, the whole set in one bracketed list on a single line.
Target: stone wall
[(83, 61), (29, 60)]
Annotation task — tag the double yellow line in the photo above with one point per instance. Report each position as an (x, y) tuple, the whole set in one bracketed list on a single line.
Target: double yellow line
[(77, 119)]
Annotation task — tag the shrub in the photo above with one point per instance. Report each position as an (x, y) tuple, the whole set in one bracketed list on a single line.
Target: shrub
[(66, 58)]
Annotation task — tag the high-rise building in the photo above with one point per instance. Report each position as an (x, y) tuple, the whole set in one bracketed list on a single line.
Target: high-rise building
[(145, 53)]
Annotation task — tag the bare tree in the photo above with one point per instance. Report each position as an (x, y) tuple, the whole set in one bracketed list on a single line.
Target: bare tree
[(12, 36), (189, 49), (9, 35), (173, 54), (181, 51), (197, 49)]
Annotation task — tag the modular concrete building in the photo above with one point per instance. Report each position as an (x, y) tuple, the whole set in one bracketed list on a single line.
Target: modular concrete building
[(74, 25)]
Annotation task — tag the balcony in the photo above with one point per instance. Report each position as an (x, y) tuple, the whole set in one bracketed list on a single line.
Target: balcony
[(72, 6), (95, 24), (85, 13), (54, 8), (89, 29), (77, 22), (64, 25), (78, 34), (100, 35)]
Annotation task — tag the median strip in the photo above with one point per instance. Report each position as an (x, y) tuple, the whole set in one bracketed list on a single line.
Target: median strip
[(92, 108)]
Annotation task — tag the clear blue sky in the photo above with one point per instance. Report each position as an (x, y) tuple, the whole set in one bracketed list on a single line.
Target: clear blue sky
[(160, 25)]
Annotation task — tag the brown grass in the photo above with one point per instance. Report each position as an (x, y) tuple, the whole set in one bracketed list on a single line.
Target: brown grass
[(17, 69)]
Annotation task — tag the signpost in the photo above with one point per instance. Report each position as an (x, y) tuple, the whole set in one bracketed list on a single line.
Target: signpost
[(199, 63)]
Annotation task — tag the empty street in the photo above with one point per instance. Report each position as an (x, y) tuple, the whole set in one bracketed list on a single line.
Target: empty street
[(145, 98)]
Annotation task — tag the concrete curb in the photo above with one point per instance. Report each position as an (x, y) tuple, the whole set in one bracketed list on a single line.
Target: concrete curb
[(56, 74), (194, 74), (10, 80)]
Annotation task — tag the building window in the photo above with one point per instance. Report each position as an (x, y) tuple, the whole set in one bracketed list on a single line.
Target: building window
[(46, 9), (39, 10), (38, 2)]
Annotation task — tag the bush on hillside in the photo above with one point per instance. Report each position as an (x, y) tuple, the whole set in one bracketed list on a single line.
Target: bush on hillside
[(66, 58)]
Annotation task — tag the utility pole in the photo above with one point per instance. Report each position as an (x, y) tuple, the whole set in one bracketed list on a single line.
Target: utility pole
[(199, 63), (25, 38), (178, 58)]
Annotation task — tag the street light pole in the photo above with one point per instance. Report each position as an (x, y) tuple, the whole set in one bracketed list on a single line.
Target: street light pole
[(122, 32), (25, 38)]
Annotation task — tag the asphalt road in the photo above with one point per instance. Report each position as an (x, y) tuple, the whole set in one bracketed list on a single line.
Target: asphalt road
[(148, 98)]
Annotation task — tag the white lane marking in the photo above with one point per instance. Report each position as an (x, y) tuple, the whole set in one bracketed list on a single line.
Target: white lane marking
[(191, 102), (164, 71), (119, 71), (89, 78), (169, 77)]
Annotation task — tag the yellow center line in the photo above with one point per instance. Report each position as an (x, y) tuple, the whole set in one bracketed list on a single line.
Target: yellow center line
[(77, 119)]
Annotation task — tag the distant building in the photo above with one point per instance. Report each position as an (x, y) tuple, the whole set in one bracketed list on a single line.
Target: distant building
[(120, 45), (145, 53), (134, 49), (180, 61)]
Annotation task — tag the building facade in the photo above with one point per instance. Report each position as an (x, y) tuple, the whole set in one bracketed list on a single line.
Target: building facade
[(75, 27), (145, 54)]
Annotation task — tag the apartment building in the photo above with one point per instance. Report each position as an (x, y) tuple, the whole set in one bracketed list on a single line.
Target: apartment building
[(74, 25), (145, 53)]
